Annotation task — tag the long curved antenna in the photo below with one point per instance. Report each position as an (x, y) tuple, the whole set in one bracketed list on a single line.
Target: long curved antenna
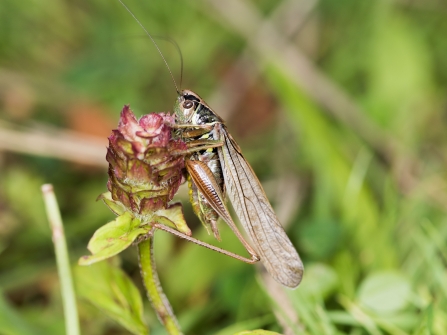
[(174, 42), (156, 45)]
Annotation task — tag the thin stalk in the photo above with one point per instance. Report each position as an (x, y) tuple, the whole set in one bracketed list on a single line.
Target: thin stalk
[(63, 262), (153, 288)]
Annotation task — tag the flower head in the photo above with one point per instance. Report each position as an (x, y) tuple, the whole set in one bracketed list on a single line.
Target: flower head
[(144, 171)]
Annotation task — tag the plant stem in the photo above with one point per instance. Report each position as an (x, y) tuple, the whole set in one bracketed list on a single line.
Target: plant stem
[(63, 262), (153, 288)]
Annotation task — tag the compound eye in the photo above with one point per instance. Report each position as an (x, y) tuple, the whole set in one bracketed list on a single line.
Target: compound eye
[(188, 104)]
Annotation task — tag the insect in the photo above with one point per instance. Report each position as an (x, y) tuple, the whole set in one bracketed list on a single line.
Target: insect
[(216, 168)]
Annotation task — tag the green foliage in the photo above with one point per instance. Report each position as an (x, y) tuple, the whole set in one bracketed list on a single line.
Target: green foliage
[(256, 332), (113, 238), (12, 323), (117, 235), (368, 215), (385, 293), (107, 287)]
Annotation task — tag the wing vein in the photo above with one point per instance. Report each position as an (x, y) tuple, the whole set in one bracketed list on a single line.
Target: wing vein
[(257, 216)]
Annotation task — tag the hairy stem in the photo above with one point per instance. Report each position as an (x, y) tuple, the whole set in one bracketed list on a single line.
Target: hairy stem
[(153, 288)]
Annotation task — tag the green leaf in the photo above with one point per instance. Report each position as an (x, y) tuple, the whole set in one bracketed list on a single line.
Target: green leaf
[(107, 287), (113, 237), (173, 216), (385, 292), (256, 332), (115, 206), (242, 326)]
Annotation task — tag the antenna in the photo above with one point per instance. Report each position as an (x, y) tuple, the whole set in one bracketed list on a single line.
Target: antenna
[(158, 49), (175, 44)]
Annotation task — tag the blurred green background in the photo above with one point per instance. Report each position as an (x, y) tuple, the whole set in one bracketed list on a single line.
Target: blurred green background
[(340, 107)]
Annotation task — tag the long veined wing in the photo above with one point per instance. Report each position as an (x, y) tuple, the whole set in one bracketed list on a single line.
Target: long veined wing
[(206, 183), (256, 214)]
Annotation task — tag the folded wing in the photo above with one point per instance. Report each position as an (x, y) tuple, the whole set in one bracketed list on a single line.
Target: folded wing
[(257, 216)]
